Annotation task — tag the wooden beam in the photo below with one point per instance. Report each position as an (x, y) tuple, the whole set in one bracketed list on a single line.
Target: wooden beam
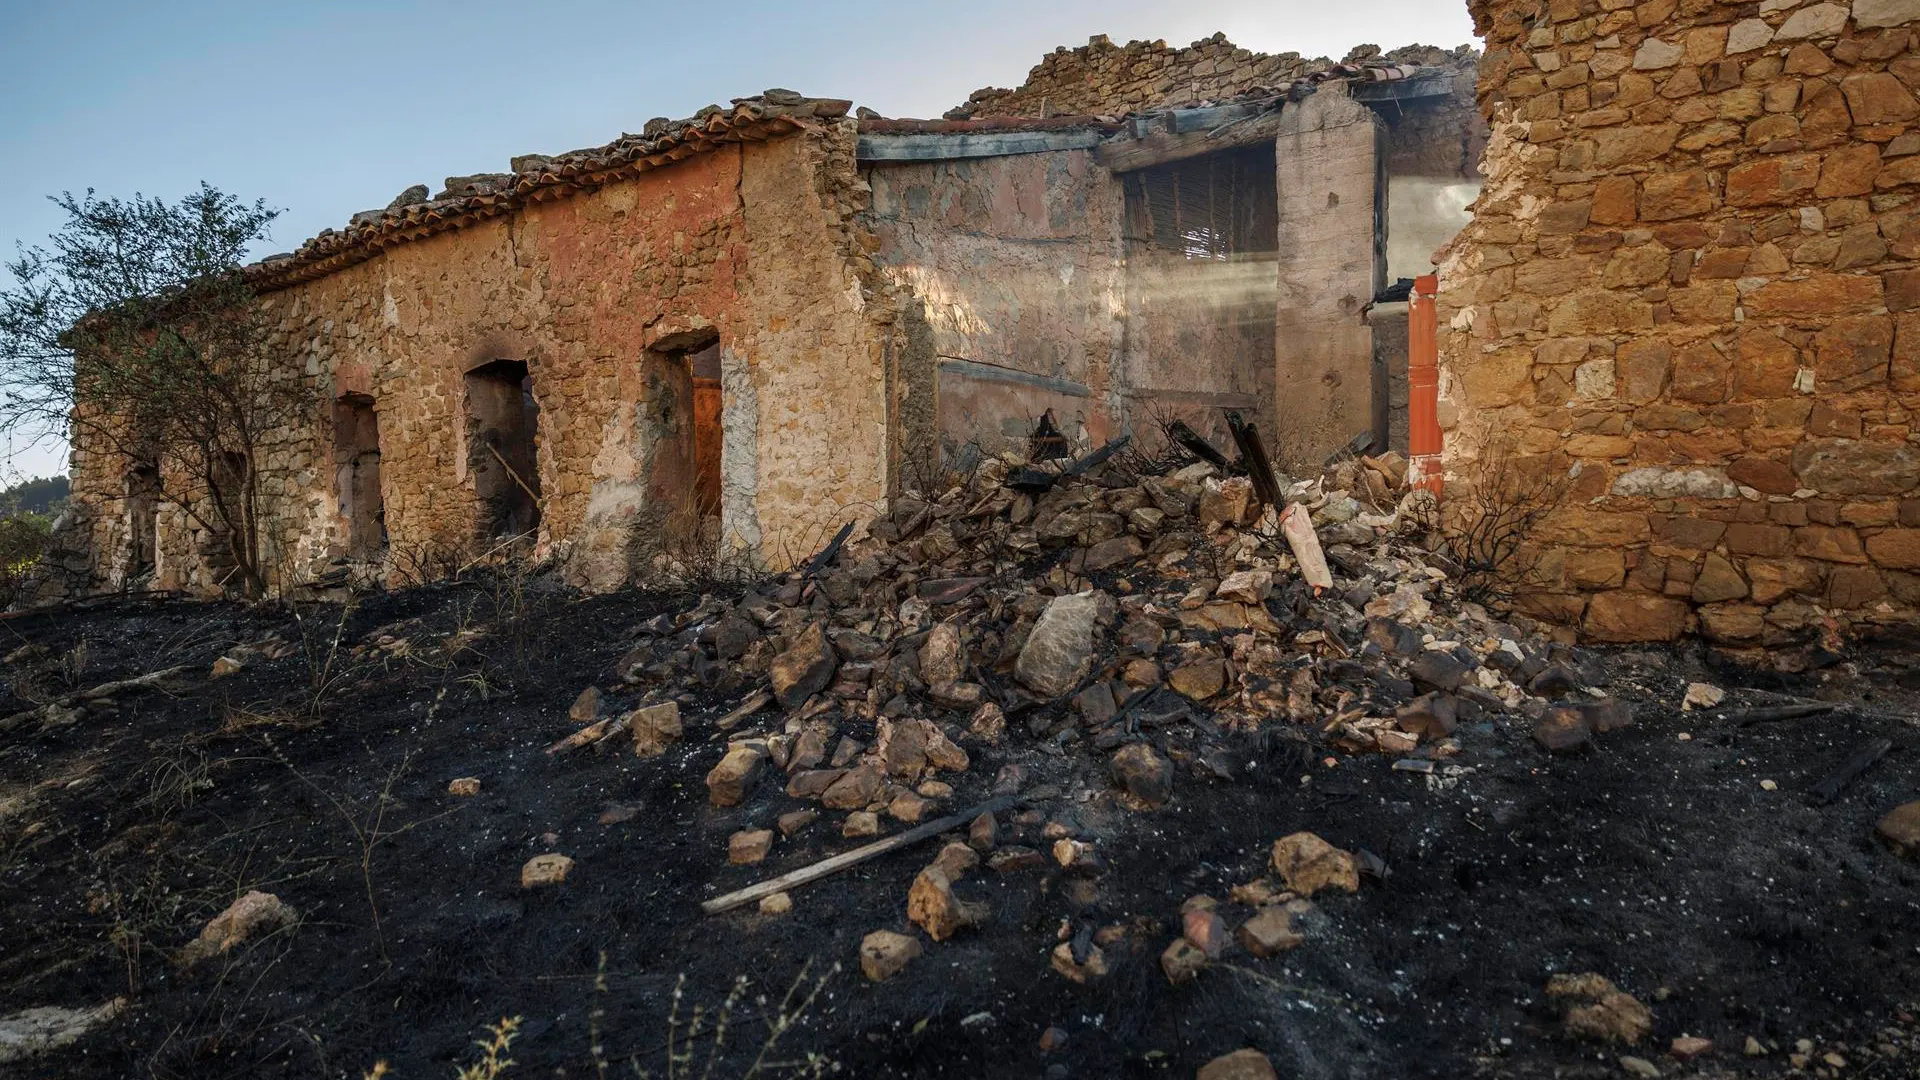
[(955, 147), (1162, 147), (1382, 93), (828, 867)]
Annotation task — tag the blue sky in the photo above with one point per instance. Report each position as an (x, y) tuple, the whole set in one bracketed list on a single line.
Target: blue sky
[(324, 109)]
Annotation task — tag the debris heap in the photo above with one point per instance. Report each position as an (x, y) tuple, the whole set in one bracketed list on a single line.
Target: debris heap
[(1104, 630)]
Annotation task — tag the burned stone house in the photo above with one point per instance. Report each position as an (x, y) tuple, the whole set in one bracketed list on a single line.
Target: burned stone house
[(741, 330)]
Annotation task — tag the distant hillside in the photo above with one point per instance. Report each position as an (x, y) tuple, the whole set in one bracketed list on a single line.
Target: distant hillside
[(44, 495)]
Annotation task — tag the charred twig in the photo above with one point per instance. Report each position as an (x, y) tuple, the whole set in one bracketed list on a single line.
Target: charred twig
[(1783, 712), (1047, 443), (1098, 457), (105, 690), (745, 709), (1829, 787), (531, 494), (1040, 481), (596, 732), (828, 867)]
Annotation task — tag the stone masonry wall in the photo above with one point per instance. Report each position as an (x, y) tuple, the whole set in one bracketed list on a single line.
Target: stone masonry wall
[(1692, 274), (754, 243), (1101, 78)]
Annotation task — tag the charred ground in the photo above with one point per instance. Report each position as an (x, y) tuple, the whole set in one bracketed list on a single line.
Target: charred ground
[(1663, 863)]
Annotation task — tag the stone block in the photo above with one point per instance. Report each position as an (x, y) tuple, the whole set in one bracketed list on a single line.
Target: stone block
[(1669, 196), (1829, 544), (1855, 587), (1817, 294), (1897, 549), (1856, 467), (1627, 616)]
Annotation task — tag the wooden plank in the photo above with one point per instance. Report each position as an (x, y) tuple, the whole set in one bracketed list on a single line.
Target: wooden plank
[(828, 867), (956, 147), (1161, 147), (1182, 121), (1380, 93)]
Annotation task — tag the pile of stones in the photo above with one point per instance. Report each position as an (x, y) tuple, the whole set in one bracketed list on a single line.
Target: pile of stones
[(1099, 642)]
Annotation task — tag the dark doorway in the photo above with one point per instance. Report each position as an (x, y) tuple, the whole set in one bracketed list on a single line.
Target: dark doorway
[(356, 475), (686, 469), (143, 520), (502, 423)]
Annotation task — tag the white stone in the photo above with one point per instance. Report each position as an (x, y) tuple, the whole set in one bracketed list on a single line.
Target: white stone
[(1818, 21), (1747, 35), (1768, 7), (1870, 13), (1547, 61), (1655, 54), (1702, 696), (1656, 483), (1593, 380), (40, 1030)]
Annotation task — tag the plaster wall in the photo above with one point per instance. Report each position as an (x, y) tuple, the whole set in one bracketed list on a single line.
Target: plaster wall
[(1010, 265), (1328, 162)]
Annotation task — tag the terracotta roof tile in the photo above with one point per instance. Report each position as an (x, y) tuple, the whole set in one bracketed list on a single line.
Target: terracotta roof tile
[(754, 119)]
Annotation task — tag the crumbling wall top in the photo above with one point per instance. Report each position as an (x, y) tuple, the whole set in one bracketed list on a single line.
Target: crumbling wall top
[(1101, 78)]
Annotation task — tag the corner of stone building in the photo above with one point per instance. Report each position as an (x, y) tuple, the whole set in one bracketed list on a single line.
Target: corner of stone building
[(1692, 274)]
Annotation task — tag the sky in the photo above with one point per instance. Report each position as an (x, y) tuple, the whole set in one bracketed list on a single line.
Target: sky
[(324, 109)]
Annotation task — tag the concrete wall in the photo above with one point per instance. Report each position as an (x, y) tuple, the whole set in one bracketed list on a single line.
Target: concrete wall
[(1010, 265), (753, 242), (1694, 275)]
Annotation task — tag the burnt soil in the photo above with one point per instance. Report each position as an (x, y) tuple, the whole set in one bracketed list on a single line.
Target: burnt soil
[(1661, 863)]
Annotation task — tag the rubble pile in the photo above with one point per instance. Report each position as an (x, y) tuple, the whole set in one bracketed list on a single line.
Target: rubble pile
[(1128, 622)]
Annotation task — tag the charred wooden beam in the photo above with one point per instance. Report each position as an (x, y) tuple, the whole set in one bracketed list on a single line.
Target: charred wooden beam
[(1829, 787), (1253, 455), (1194, 443), (830, 552), (1123, 154)]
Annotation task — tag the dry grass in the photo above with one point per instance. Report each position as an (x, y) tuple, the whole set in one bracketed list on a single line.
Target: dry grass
[(1494, 504)]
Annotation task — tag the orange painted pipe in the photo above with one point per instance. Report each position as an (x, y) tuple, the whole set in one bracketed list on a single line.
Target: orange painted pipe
[(1424, 441)]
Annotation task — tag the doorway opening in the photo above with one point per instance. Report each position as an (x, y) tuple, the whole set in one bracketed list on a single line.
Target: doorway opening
[(686, 415), (503, 422), (143, 521), (356, 475)]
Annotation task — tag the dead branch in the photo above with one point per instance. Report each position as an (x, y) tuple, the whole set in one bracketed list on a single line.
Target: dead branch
[(828, 867), (1841, 778), (104, 690), (531, 494)]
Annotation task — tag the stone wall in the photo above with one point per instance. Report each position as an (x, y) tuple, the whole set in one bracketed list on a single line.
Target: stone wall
[(1101, 78), (1692, 275), (753, 243)]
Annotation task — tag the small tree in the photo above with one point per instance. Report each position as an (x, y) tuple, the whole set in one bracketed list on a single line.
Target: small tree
[(135, 333)]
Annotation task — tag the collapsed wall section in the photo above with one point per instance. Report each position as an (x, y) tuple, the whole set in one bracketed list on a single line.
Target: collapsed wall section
[(1692, 279), (1101, 78)]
